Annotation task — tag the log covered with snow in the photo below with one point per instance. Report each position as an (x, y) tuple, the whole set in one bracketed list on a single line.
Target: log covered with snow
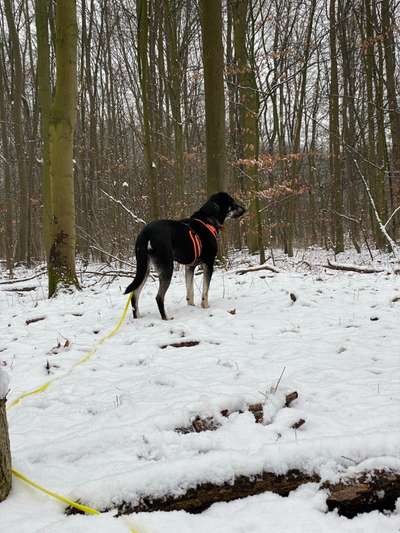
[(5, 454), (376, 490), (351, 495)]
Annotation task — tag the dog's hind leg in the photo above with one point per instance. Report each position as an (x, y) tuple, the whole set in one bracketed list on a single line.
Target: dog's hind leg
[(136, 294), (189, 274), (165, 275), (207, 274)]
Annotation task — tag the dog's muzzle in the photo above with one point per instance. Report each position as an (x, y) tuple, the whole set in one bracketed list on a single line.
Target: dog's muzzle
[(237, 211)]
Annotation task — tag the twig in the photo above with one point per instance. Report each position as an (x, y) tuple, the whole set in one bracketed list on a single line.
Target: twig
[(279, 380), (110, 255), (135, 217)]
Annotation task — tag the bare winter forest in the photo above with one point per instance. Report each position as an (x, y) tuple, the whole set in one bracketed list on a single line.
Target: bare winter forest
[(116, 112), (276, 407)]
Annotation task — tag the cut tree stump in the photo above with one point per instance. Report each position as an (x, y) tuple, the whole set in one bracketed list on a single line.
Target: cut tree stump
[(5, 454)]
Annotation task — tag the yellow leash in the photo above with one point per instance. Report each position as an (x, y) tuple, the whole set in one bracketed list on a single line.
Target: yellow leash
[(82, 360), (84, 508), (42, 388), (59, 497)]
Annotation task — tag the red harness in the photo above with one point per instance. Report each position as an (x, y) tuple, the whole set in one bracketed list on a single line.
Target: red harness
[(196, 239)]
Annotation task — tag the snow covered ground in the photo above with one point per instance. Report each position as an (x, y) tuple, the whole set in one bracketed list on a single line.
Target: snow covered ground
[(104, 433)]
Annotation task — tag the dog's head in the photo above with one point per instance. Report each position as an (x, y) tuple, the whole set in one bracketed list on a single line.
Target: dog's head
[(221, 206)]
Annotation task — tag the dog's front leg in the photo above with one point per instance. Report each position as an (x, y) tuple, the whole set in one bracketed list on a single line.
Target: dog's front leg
[(207, 274), (189, 273)]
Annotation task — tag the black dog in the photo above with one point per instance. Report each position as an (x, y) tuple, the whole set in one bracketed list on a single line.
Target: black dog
[(190, 241)]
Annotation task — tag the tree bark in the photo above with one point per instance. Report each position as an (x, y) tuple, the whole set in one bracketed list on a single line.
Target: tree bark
[(7, 172), (388, 25), (17, 94), (213, 62), (44, 93), (144, 77), (376, 490), (248, 131), (334, 137), (5, 454), (62, 124)]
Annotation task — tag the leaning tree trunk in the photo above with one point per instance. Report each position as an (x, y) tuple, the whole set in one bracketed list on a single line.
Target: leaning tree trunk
[(213, 62), (62, 125)]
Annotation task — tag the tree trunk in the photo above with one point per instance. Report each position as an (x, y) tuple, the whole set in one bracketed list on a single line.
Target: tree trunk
[(17, 94), (175, 72), (394, 111), (248, 134), (5, 454), (334, 137), (7, 172), (43, 74), (144, 76), (213, 62), (348, 113), (62, 124)]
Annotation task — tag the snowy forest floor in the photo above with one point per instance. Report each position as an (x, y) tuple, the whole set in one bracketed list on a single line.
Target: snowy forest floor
[(105, 432)]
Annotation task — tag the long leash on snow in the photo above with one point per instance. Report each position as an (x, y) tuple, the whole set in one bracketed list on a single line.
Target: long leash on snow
[(80, 507)]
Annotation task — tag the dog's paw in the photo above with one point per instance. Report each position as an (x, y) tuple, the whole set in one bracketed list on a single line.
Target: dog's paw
[(204, 305)]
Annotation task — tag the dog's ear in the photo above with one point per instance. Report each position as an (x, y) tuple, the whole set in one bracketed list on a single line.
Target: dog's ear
[(211, 209)]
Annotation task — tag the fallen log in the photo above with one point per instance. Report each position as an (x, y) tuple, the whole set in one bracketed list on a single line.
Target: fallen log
[(264, 266), (20, 280), (353, 268), (210, 424), (200, 498), (376, 490)]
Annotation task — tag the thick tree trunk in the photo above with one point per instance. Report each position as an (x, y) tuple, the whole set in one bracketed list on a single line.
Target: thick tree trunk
[(174, 82), (5, 454), (62, 124), (248, 134), (44, 93), (144, 76), (213, 62)]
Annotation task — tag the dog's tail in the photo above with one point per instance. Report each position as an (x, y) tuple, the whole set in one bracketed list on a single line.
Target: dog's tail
[(142, 264)]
